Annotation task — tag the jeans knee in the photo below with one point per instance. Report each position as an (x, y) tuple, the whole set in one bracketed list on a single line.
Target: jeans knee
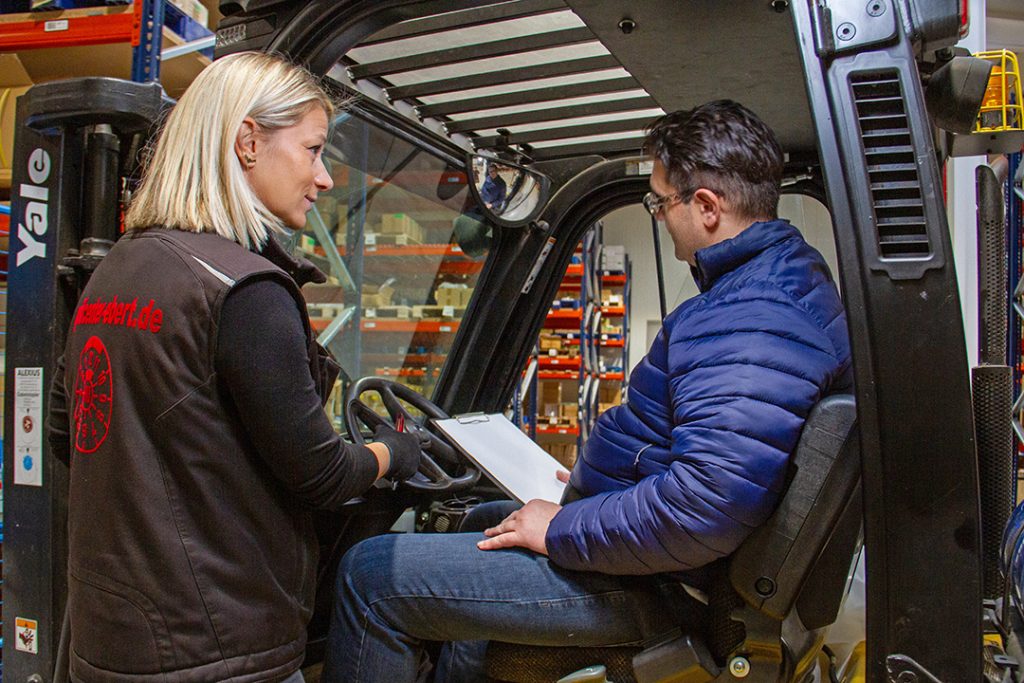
[(364, 567)]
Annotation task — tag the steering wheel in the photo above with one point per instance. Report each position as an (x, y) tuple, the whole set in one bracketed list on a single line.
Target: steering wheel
[(431, 477)]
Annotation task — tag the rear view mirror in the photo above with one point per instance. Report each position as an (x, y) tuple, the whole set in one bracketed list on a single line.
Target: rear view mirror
[(507, 194), (955, 92)]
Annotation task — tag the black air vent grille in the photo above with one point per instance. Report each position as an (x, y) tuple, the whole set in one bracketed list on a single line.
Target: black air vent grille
[(892, 168)]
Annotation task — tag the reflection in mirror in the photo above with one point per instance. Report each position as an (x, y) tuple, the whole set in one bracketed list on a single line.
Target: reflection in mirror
[(508, 192)]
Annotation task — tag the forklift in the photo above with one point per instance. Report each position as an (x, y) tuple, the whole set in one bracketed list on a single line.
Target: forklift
[(868, 99)]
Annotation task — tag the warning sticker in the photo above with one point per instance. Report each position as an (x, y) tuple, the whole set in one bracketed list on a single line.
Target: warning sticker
[(26, 635), (28, 426)]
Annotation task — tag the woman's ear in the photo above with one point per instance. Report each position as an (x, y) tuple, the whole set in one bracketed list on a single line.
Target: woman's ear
[(245, 143)]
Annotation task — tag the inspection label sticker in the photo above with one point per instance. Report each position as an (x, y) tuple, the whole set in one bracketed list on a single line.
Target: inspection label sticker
[(28, 426), (26, 635)]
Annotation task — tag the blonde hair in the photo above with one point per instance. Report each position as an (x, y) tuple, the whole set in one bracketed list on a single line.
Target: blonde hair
[(194, 180)]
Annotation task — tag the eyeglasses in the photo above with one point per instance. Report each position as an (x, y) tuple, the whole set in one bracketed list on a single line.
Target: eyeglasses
[(655, 202)]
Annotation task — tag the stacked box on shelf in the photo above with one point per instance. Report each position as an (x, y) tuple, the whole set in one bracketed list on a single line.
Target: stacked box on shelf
[(452, 294), (613, 257), (564, 453), (14, 82), (401, 224)]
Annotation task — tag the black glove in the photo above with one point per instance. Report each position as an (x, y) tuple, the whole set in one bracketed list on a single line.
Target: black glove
[(405, 452)]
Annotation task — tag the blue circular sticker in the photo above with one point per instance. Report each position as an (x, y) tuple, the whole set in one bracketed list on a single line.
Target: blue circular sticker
[(27, 462)]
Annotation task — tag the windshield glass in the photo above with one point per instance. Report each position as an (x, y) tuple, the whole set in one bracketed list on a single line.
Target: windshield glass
[(402, 254)]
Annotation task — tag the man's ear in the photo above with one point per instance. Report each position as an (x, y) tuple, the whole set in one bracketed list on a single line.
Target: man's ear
[(709, 207), (246, 141)]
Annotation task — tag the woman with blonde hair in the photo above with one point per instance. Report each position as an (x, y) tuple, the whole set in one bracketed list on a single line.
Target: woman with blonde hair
[(189, 399)]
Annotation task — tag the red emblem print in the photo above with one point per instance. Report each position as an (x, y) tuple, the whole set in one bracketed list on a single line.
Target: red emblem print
[(94, 396)]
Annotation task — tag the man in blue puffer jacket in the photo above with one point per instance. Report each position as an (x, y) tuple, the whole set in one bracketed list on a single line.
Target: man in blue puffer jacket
[(671, 481)]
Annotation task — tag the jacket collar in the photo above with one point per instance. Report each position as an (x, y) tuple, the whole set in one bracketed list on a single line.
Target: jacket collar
[(301, 270), (715, 261)]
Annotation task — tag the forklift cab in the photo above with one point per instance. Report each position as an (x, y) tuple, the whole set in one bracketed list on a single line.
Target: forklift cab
[(431, 288)]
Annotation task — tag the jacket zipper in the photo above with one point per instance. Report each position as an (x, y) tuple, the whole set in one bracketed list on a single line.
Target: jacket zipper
[(636, 462)]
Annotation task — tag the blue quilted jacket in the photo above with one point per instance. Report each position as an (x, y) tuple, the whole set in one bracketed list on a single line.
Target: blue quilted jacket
[(696, 459)]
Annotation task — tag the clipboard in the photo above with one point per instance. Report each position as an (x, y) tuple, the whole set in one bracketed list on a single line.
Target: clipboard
[(509, 457)]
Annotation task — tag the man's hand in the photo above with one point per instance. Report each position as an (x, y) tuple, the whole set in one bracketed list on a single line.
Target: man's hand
[(524, 528)]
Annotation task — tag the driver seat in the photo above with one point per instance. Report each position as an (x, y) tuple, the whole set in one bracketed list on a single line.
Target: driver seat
[(769, 603)]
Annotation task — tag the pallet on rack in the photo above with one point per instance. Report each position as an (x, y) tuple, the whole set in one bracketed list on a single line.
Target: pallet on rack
[(437, 312), (390, 239), (395, 312)]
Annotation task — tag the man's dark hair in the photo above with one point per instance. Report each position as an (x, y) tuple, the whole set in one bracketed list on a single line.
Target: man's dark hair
[(724, 147)]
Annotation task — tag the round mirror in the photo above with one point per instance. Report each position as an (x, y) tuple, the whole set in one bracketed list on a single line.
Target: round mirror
[(508, 194)]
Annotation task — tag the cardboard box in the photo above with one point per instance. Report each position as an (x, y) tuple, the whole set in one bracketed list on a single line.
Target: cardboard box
[(551, 393), (610, 394), (550, 342), (323, 294), (565, 454), (613, 257), (454, 295), (401, 224), (376, 297), (14, 82)]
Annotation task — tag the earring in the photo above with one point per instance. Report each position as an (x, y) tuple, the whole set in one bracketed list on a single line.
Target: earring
[(250, 160)]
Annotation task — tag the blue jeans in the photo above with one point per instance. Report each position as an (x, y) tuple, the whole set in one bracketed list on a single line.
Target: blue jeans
[(397, 591)]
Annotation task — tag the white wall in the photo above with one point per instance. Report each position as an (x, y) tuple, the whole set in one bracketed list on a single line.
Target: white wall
[(631, 227)]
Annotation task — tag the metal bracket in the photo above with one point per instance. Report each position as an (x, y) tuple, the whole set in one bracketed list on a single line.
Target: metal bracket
[(851, 25), (903, 669)]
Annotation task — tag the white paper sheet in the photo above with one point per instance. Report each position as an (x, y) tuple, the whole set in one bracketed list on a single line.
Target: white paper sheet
[(520, 467)]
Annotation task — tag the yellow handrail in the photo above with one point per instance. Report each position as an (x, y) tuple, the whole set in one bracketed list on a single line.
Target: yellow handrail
[(1002, 107)]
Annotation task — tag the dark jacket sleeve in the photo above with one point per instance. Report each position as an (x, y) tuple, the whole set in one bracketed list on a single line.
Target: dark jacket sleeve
[(58, 422), (262, 362), (742, 376)]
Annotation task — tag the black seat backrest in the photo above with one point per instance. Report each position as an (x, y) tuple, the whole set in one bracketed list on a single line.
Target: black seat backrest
[(807, 544)]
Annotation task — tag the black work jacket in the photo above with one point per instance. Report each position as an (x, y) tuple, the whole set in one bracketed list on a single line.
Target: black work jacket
[(188, 561)]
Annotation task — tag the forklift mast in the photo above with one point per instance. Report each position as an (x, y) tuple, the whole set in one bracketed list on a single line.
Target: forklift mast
[(75, 141)]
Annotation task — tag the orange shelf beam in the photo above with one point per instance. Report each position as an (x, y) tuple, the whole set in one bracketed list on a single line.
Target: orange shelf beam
[(563, 317), (613, 280), (556, 374), (542, 429), (613, 376), (548, 363), (414, 326), (67, 28), (613, 310), (618, 343), (394, 325)]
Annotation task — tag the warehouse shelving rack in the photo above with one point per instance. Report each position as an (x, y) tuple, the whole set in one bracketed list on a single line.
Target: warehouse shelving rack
[(577, 322)]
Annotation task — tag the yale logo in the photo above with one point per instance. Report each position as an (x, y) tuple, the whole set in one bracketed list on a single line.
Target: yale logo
[(37, 197)]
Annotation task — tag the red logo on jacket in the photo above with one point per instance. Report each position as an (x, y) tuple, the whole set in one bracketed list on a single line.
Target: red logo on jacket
[(94, 396)]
